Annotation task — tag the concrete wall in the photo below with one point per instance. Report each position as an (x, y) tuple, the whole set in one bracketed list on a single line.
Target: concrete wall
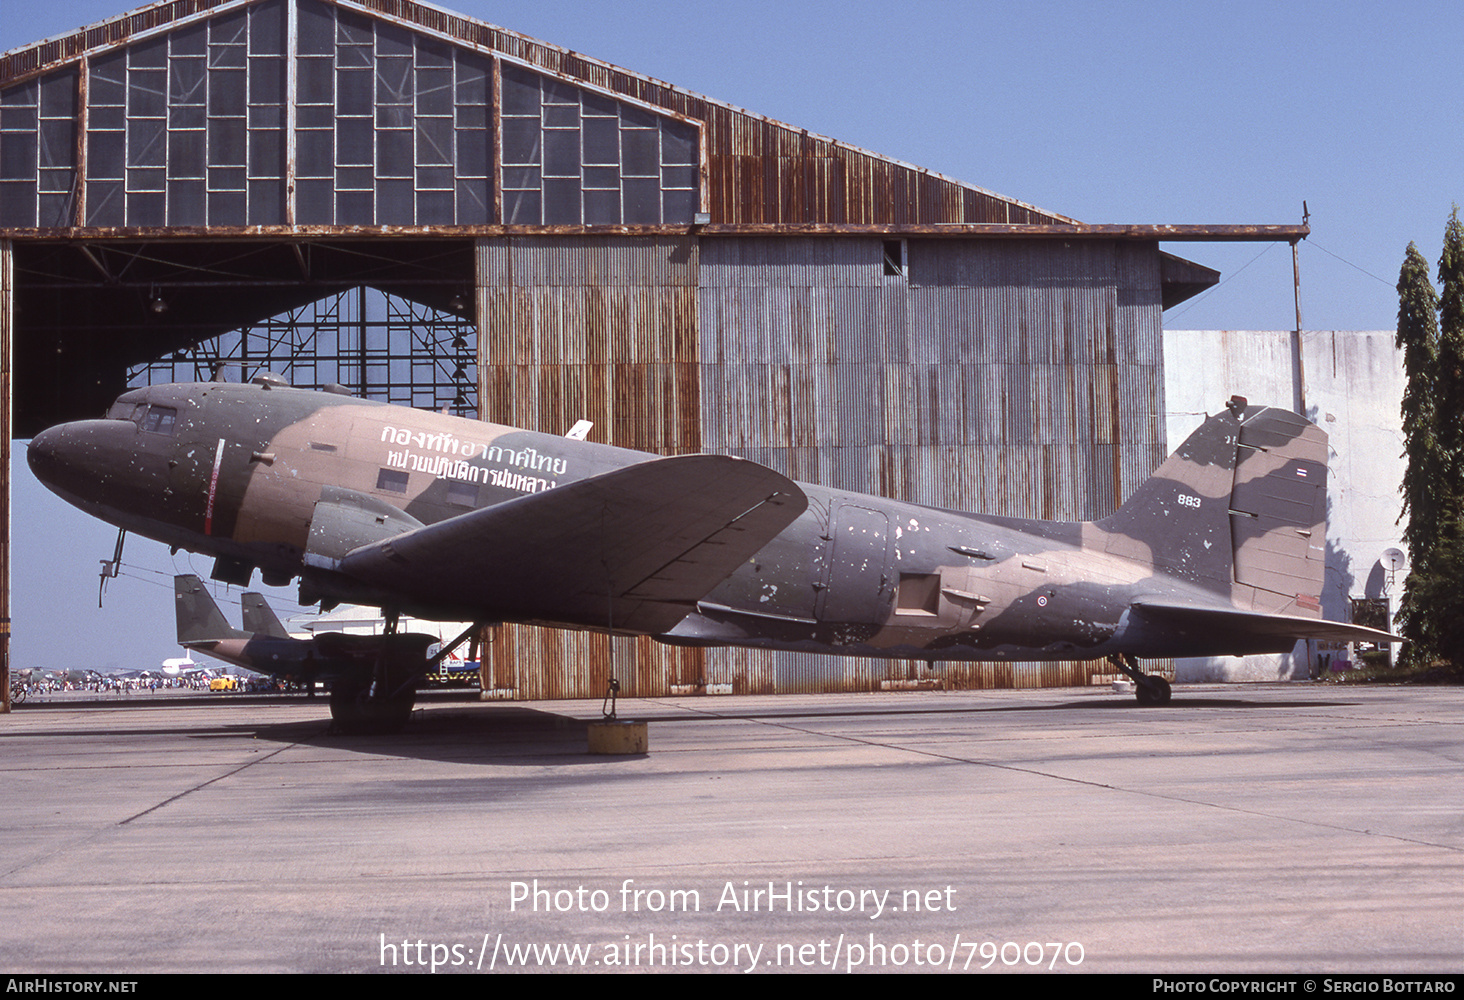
[(1351, 384)]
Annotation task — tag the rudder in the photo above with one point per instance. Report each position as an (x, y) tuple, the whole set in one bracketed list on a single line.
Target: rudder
[(1278, 509), (1239, 508)]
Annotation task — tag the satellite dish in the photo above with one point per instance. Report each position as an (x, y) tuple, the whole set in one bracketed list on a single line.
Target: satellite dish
[(1393, 559)]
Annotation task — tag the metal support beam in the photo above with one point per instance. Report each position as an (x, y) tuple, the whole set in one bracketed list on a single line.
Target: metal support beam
[(485, 401), (7, 287), (951, 230), (1298, 394), (1300, 378)]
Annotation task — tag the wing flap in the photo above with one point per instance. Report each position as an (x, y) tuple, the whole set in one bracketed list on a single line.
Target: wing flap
[(632, 549)]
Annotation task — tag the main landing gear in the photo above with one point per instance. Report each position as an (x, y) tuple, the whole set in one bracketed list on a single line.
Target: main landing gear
[(380, 698), (1149, 689), (380, 705), (381, 701)]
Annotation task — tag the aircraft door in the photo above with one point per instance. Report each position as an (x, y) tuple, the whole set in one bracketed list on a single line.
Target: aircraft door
[(857, 588)]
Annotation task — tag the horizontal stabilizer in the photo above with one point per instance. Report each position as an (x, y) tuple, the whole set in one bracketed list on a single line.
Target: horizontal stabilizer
[(631, 549), (400, 647), (1247, 628)]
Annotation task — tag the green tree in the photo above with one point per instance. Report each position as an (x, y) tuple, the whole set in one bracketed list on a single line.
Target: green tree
[(1431, 612), (1447, 563), (1418, 337)]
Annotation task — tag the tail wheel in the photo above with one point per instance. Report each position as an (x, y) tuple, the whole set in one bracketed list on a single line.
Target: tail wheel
[(1149, 689)]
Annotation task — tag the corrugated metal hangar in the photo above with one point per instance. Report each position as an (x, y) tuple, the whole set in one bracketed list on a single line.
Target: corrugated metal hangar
[(587, 243)]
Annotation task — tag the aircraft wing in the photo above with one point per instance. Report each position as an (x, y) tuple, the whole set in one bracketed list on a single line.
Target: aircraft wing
[(1250, 625), (632, 549)]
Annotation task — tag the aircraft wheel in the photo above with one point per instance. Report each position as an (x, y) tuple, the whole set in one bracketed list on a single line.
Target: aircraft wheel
[(1153, 691), (354, 710)]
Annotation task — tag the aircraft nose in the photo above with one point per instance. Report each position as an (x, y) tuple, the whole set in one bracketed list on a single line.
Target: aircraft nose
[(79, 460), (45, 453)]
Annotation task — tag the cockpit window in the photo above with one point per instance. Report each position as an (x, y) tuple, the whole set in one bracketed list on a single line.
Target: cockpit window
[(160, 419)]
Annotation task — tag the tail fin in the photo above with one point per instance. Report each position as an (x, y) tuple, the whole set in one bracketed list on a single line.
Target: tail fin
[(260, 618), (1239, 508), (199, 618)]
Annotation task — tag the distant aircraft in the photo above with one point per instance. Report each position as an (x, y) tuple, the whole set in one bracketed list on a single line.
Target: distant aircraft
[(176, 665), (1219, 552)]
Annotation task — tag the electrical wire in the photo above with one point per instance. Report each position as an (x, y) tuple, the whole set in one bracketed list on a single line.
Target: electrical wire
[(1221, 284), (1356, 267)]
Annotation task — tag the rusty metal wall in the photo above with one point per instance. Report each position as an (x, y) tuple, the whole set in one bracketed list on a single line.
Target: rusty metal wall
[(1015, 378), (1018, 378), (601, 329), (1003, 377)]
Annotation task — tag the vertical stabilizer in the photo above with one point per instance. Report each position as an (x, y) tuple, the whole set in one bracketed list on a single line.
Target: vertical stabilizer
[(260, 618), (199, 618), (1278, 514), (1178, 520)]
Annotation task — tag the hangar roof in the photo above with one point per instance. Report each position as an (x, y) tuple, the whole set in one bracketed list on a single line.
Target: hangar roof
[(222, 117)]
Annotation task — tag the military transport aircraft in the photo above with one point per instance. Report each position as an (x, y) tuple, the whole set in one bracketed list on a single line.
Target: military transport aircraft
[(1219, 552)]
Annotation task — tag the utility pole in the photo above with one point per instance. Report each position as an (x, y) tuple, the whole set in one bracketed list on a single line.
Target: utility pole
[(1298, 379)]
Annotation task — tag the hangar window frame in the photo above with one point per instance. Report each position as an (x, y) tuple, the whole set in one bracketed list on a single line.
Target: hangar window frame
[(896, 259), (556, 168), (38, 140), (256, 114), (382, 346)]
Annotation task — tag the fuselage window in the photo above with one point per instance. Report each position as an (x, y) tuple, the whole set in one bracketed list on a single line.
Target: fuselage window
[(392, 480), (462, 494), (160, 419)]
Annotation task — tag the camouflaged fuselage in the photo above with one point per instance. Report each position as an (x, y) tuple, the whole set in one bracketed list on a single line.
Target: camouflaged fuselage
[(246, 473)]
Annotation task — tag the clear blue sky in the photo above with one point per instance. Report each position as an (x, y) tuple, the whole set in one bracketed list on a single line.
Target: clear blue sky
[(1106, 112)]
